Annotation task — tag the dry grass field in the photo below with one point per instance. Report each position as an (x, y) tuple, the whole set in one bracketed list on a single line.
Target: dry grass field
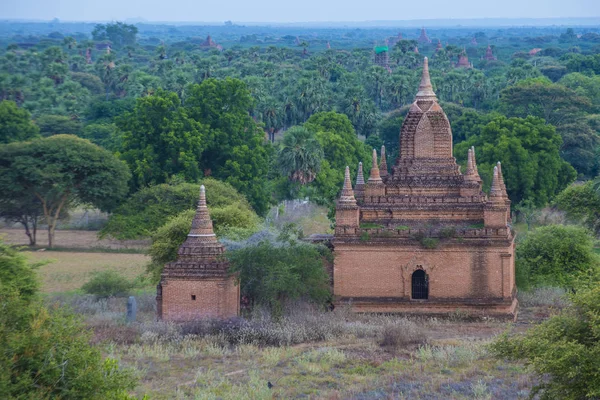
[(313, 354), (67, 271), (72, 239)]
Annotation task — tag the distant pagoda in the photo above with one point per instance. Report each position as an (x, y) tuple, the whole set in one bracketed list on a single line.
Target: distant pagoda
[(489, 56), (439, 46), (381, 56), (209, 43), (423, 38), (463, 60)]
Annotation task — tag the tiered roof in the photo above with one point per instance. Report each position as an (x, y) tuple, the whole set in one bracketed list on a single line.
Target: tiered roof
[(200, 256)]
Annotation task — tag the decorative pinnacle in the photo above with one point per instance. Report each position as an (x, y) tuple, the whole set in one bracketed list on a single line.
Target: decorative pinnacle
[(347, 196), (474, 160), (202, 224), (425, 89), (383, 170), (374, 177), (496, 190), (501, 179), (360, 178)]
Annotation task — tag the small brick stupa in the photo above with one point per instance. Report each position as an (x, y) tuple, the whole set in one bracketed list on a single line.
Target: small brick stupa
[(463, 60), (424, 238), (489, 55), (197, 285), (423, 38)]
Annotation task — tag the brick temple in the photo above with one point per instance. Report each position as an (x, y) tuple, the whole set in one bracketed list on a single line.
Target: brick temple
[(424, 238), (197, 285)]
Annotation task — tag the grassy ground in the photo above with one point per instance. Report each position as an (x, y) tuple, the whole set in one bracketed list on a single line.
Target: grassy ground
[(73, 239), (68, 271)]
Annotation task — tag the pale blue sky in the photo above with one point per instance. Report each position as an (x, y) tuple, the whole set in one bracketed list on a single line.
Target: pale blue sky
[(292, 10)]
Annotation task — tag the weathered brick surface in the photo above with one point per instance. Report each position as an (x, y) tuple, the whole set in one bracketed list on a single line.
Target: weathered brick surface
[(431, 217), (193, 299)]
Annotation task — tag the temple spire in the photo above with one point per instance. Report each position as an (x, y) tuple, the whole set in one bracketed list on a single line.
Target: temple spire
[(360, 178), (496, 190), (202, 226), (347, 196), (501, 180), (425, 89), (374, 177), (383, 169)]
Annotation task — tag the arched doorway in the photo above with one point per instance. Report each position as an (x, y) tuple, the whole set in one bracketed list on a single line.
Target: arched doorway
[(420, 285)]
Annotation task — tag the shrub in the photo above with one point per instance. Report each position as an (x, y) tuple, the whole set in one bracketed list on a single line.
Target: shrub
[(16, 274), (152, 207), (272, 274), (555, 255), (401, 333), (46, 352), (564, 350), (107, 283)]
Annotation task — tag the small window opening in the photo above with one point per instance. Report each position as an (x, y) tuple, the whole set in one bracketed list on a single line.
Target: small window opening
[(193, 297)]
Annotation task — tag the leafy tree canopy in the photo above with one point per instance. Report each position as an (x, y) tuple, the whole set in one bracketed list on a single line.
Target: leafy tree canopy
[(61, 171), (529, 151), (555, 255), (582, 205), (300, 155), (15, 123), (150, 208)]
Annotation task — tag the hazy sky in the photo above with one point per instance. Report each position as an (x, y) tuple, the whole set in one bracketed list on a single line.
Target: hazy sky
[(292, 10)]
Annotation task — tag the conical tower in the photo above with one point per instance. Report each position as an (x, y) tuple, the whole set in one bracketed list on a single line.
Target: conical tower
[(374, 177), (383, 169), (359, 188), (197, 284), (346, 210)]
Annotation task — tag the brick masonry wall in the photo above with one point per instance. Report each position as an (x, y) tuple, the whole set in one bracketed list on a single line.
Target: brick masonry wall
[(456, 272), (214, 298)]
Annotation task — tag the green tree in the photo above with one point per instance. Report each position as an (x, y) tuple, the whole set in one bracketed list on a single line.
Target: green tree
[(62, 171), (150, 208), (15, 123), (581, 204), (563, 350), (555, 255), (300, 155), (555, 103), (58, 125), (119, 33), (107, 283), (236, 150), (272, 274), (529, 151), (161, 140)]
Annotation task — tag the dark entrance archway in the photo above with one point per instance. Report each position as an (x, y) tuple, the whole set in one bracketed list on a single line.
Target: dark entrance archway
[(420, 285)]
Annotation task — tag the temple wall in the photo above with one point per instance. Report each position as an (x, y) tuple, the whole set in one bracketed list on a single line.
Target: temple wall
[(456, 272), (214, 298)]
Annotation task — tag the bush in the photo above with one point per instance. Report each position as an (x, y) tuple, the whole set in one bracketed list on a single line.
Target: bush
[(401, 333), (150, 208), (555, 255), (46, 352), (564, 350), (273, 273), (16, 274), (107, 283)]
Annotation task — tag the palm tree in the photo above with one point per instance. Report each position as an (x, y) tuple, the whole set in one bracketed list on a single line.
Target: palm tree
[(300, 155)]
